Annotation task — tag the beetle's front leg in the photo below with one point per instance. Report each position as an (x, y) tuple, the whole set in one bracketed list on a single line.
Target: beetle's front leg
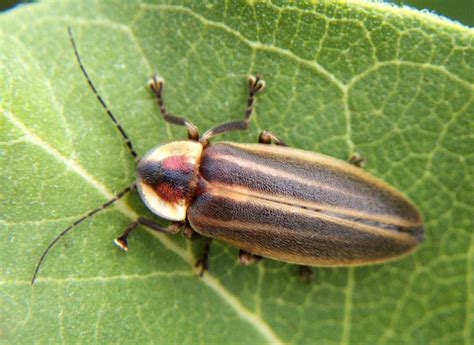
[(246, 258), (156, 85), (267, 137), (172, 228), (255, 84)]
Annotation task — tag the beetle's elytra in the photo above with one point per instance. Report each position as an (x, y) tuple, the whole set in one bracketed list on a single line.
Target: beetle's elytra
[(267, 200)]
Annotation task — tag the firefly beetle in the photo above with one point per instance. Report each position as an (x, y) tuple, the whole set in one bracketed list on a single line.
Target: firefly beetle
[(267, 200)]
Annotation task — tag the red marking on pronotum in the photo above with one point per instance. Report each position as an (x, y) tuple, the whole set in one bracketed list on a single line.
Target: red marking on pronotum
[(169, 193), (177, 163)]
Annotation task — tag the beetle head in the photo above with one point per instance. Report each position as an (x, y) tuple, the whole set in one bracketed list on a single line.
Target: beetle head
[(166, 178)]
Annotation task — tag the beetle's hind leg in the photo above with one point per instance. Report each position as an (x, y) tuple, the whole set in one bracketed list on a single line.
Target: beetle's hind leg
[(255, 84), (172, 228), (246, 258), (305, 273), (156, 85)]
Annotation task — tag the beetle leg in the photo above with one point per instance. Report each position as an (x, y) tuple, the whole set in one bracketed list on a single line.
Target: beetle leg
[(156, 85), (202, 261), (246, 258), (356, 160), (305, 273), (267, 137), (172, 228), (189, 233), (255, 84)]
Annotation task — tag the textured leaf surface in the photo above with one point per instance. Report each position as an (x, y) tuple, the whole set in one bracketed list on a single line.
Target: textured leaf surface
[(394, 85)]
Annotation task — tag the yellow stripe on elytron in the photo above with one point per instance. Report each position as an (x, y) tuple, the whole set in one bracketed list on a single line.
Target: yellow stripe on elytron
[(318, 158), (289, 200), (403, 236)]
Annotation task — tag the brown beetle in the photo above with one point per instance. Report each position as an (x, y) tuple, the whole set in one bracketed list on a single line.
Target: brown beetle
[(267, 200)]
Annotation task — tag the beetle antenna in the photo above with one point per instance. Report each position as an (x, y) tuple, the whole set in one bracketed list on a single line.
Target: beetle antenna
[(104, 105), (77, 222)]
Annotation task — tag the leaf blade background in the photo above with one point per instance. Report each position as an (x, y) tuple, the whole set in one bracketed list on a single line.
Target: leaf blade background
[(394, 85)]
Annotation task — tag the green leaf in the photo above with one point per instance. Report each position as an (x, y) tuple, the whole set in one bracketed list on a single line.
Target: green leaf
[(395, 85)]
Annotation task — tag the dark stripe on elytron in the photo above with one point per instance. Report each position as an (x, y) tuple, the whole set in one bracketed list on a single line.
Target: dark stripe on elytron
[(220, 162), (272, 230)]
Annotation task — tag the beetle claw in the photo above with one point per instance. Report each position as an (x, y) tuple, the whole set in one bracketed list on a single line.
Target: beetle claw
[(202, 261), (189, 233), (305, 273), (156, 83), (256, 83), (202, 264), (121, 242), (357, 160), (246, 258)]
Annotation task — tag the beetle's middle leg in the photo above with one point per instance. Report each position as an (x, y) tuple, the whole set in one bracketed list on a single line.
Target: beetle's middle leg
[(156, 85), (267, 137), (202, 261), (255, 84), (172, 228)]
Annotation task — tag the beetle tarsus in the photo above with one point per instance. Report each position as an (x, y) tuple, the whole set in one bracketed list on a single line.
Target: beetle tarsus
[(156, 85), (268, 137), (246, 258), (122, 242), (202, 261), (189, 233), (357, 160), (305, 273), (255, 84)]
